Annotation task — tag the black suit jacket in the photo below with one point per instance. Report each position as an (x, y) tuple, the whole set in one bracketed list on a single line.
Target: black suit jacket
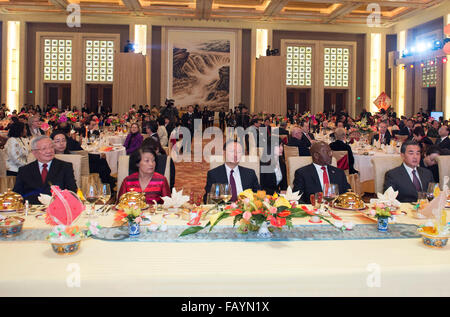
[(269, 180), (339, 145), (444, 144), (219, 175), (306, 143), (399, 179), (29, 182), (307, 181), (387, 138), (302, 149)]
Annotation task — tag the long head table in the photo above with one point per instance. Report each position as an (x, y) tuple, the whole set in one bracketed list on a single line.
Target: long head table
[(384, 267)]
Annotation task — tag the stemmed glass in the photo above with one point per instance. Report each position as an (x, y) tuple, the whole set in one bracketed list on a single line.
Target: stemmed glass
[(225, 193), (105, 193), (92, 194), (330, 192), (430, 191), (214, 194)]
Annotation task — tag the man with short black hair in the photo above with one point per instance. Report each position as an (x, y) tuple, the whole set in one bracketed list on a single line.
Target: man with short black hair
[(444, 140), (409, 178)]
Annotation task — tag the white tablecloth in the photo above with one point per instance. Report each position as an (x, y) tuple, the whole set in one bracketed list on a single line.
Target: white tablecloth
[(112, 157), (363, 164), (379, 267), (116, 139)]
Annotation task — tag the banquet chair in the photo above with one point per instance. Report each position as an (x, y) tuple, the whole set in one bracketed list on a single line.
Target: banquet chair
[(2, 163), (444, 168), (75, 159), (380, 166), (7, 182), (342, 160), (296, 162), (246, 161)]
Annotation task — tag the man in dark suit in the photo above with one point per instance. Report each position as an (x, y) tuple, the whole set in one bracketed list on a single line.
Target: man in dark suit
[(444, 140), (407, 129), (93, 128), (281, 130), (408, 179), (187, 120), (239, 178), (307, 137), (296, 140), (383, 132), (222, 119), (37, 177), (310, 179), (340, 145)]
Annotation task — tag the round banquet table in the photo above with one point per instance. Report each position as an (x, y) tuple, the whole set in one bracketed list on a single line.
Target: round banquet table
[(116, 139), (112, 157), (363, 164), (405, 267)]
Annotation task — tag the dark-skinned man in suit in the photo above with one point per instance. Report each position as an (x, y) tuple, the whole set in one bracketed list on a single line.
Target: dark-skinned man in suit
[(311, 179)]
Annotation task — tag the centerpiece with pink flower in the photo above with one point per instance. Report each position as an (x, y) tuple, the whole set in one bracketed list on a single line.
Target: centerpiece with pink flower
[(260, 212)]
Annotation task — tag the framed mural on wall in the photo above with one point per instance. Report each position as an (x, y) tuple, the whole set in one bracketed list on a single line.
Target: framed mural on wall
[(201, 68)]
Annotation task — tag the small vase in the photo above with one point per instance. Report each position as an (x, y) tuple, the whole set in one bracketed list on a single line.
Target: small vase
[(134, 229), (383, 224), (264, 232)]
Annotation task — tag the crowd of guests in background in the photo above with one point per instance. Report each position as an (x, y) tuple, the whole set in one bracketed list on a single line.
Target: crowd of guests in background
[(427, 135)]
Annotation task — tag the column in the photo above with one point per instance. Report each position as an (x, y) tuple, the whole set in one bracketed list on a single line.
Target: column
[(446, 80), (253, 71), (13, 65), (400, 83)]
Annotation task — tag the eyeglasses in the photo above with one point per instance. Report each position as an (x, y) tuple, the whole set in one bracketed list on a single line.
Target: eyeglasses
[(45, 149)]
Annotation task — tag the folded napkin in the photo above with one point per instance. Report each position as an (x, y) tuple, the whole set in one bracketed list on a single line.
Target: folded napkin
[(389, 198), (45, 199), (177, 199), (292, 196)]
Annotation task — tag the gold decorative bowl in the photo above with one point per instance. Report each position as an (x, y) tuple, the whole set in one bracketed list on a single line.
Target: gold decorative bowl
[(131, 199), (11, 201), (11, 226), (349, 201)]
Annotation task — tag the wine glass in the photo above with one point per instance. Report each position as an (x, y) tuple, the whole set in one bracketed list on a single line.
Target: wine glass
[(318, 199), (92, 194), (105, 193), (430, 191), (215, 194), (225, 193), (330, 192)]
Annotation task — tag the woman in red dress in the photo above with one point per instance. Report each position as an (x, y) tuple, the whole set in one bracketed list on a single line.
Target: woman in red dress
[(146, 180)]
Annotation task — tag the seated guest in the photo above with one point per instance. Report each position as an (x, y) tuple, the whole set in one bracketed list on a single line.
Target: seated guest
[(162, 133), (16, 148), (429, 161), (35, 178), (152, 130), (146, 180), (134, 139), (34, 124), (407, 129), (307, 137), (433, 131), (161, 160), (310, 179), (340, 145), (296, 140), (72, 144), (421, 139), (273, 170), (92, 129), (383, 136), (444, 139), (408, 179), (240, 178), (60, 141)]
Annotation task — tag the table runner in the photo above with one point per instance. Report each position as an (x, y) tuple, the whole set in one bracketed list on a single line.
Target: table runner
[(229, 234)]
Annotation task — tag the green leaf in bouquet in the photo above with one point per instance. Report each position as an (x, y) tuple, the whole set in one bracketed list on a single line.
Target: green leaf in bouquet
[(191, 230)]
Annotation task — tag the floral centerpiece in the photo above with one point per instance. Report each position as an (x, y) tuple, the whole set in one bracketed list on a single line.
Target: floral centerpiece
[(253, 211), (133, 215), (382, 213)]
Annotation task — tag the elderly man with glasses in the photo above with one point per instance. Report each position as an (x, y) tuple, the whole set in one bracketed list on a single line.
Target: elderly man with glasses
[(37, 177)]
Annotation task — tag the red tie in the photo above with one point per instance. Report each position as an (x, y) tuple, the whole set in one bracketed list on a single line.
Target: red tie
[(44, 173), (325, 176)]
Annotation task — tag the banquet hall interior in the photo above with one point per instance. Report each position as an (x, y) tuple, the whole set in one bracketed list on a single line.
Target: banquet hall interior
[(101, 92)]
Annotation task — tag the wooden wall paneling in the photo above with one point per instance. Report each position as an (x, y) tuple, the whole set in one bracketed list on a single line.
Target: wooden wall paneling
[(270, 93), (129, 87)]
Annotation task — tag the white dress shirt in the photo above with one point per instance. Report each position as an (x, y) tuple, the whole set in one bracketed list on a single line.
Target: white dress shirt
[(320, 173), (41, 166), (237, 178), (409, 170)]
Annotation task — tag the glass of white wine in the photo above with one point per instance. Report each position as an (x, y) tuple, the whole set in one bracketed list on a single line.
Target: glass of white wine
[(91, 193), (225, 193), (105, 194)]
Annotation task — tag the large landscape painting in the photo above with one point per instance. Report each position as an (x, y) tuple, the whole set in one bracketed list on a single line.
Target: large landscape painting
[(201, 67)]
